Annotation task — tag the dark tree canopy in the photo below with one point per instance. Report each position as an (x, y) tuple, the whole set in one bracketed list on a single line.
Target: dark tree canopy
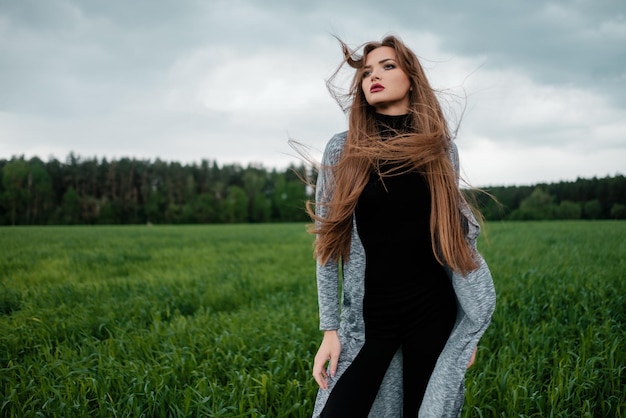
[(596, 198), (129, 191)]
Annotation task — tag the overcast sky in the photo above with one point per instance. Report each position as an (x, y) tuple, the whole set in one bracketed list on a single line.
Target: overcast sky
[(540, 85)]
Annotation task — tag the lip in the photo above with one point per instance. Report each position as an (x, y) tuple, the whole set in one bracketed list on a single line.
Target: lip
[(376, 88)]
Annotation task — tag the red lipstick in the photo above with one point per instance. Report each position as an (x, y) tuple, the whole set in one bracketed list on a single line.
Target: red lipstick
[(376, 87)]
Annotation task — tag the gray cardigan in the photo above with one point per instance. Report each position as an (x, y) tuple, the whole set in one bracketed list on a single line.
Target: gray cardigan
[(476, 302)]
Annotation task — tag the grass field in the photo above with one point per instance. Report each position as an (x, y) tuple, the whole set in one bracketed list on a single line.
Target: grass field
[(221, 321)]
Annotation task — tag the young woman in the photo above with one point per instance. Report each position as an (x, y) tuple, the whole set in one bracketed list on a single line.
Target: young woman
[(416, 294)]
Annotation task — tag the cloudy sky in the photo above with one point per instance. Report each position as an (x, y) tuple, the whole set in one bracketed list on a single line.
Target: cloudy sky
[(540, 85)]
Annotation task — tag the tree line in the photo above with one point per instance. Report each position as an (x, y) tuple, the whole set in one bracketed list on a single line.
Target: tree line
[(129, 191), (595, 198)]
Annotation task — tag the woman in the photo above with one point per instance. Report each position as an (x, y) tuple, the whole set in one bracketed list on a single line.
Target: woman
[(416, 295)]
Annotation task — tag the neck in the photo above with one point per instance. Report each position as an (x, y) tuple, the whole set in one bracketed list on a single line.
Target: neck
[(392, 125)]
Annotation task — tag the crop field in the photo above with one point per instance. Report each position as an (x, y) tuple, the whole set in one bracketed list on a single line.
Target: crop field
[(221, 321)]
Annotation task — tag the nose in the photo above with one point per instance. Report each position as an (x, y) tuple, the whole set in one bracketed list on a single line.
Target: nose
[(374, 75)]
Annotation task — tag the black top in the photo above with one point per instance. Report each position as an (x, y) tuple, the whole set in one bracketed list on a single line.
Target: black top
[(393, 223)]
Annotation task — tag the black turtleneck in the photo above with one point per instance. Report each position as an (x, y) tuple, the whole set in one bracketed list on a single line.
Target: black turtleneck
[(391, 125), (393, 223)]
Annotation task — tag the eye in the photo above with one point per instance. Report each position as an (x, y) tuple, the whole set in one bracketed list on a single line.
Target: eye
[(366, 73), (389, 66)]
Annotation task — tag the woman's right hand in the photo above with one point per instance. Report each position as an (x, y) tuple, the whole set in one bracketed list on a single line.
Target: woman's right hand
[(327, 353)]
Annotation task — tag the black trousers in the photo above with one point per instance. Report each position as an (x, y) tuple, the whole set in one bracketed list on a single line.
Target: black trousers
[(421, 334)]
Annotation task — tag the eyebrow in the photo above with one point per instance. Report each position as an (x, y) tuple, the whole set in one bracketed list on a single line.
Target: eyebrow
[(380, 62)]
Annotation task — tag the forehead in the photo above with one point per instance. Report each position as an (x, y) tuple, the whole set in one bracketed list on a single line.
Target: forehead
[(379, 54)]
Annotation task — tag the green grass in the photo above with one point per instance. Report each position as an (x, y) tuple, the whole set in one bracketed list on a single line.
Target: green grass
[(221, 320), (556, 344)]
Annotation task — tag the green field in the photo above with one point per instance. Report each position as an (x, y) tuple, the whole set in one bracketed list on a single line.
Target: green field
[(221, 321)]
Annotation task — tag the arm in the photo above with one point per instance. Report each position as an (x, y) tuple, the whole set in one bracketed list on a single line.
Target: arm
[(327, 276), (482, 312)]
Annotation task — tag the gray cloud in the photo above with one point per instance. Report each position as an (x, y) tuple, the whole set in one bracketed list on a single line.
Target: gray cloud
[(232, 80)]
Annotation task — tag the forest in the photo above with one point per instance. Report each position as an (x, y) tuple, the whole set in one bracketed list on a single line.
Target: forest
[(85, 191)]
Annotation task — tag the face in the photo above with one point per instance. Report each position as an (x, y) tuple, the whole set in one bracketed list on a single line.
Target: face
[(385, 85)]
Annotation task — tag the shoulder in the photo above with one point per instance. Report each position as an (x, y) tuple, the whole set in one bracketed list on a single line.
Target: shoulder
[(453, 153), (334, 148)]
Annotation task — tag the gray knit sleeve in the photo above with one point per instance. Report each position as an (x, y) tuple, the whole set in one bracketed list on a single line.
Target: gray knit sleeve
[(328, 274), (454, 156)]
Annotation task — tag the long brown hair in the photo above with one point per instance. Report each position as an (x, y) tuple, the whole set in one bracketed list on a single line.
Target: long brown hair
[(425, 149)]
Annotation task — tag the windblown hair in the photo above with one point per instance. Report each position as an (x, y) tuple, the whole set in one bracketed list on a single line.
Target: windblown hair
[(425, 148)]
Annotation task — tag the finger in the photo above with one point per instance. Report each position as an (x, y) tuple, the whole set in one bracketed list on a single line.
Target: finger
[(319, 374), (320, 378), (472, 359), (334, 359), (322, 383)]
